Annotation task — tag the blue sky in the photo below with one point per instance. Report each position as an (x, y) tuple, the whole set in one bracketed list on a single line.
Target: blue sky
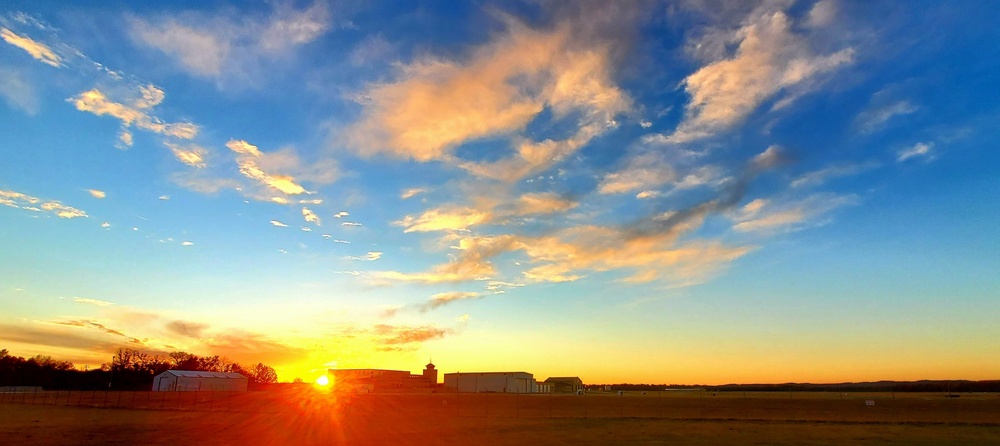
[(689, 191)]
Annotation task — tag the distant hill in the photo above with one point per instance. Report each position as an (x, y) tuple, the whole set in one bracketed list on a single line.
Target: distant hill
[(877, 386)]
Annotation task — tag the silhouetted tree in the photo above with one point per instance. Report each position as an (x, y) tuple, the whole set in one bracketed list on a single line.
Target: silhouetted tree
[(263, 374)]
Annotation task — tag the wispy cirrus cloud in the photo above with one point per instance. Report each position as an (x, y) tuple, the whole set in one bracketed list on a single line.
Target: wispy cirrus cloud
[(410, 193), (922, 150), (769, 216), (97, 193), (231, 49), (97, 302)]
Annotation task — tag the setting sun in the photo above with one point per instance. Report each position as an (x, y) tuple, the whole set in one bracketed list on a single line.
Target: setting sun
[(323, 381)]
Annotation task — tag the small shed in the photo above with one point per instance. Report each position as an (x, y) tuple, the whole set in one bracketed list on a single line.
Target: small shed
[(194, 381)]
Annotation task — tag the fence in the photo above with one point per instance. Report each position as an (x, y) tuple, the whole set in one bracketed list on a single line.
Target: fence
[(795, 406)]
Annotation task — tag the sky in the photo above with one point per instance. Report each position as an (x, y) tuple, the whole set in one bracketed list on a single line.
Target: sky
[(691, 191)]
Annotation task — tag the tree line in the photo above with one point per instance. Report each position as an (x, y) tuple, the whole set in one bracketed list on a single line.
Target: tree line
[(128, 370)]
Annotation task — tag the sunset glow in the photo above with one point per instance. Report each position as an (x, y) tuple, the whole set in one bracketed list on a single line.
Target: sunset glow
[(648, 192)]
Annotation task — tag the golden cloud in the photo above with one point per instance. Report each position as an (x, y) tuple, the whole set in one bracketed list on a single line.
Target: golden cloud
[(37, 50)]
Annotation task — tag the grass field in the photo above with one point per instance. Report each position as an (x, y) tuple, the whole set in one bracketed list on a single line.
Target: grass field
[(306, 416)]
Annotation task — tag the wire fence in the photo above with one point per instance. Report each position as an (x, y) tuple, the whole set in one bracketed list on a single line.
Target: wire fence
[(788, 406)]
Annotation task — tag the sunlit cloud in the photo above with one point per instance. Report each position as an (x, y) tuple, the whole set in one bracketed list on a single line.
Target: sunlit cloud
[(341, 214), (97, 302), (278, 224), (190, 154), (163, 197), (770, 57), (21, 201), (543, 203), (186, 243), (441, 299), (443, 219), (918, 150), (310, 216), (94, 101), (427, 112), (37, 50), (410, 193), (96, 193), (249, 160), (350, 223), (404, 336), (768, 216), (642, 172)]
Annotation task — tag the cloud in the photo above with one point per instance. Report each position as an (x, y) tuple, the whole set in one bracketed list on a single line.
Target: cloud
[(232, 48), (644, 171), (410, 193), (769, 58), (96, 193), (21, 201), (767, 216), (191, 154), (186, 243), (370, 257), (543, 203), (278, 224), (187, 329), (350, 223), (341, 214), (435, 105), (310, 216), (96, 102), (919, 150), (37, 50), (874, 119), (163, 197), (84, 300), (443, 219), (249, 160), (818, 177), (441, 299), (18, 91), (397, 335)]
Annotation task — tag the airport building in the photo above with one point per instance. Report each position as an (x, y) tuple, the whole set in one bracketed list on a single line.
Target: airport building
[(565, 384), (383, 381), (491, 382), (195, 381)]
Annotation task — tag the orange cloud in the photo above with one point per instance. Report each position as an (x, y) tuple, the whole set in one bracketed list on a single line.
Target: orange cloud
[(437, 105)]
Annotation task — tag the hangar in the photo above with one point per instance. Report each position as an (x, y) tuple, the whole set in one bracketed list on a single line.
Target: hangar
[(194, 381), (379, 380), (499, 382)]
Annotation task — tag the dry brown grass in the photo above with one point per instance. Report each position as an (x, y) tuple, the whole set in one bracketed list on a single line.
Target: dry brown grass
[(305, 417)]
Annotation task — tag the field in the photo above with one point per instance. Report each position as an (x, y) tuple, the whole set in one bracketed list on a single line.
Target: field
[(307, 416)]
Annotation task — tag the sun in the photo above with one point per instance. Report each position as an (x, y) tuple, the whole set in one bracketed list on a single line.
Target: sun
[(323, 381)]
